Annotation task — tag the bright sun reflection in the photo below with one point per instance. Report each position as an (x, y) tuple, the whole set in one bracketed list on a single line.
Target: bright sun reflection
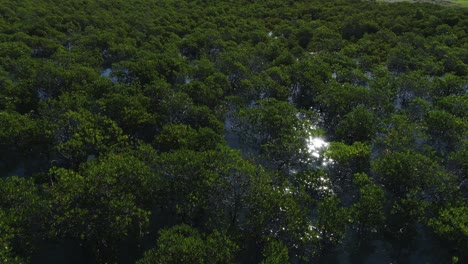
[(315, 147)]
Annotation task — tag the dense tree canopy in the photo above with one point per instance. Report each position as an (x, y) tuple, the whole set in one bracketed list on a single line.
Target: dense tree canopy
[(270, 131)]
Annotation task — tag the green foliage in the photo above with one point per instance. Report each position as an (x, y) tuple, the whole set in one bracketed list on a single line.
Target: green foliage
[(184, 244), (445, 128), (309, 78), (332, 220), (7, 234), (180, 136), (22, 209), (348, 159), (126, 103), (209, 187), (275, 253), (357, 125), (368, 212), (82, 133), (273, 127), (461, 158), (339, 99), (401, 134), (128, 107), (402, 172), (280, 211), (106, 201), (452, 224), (17, 131)]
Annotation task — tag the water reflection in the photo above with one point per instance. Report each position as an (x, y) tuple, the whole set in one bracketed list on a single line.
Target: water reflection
[(315, 148), (315, 145), (315, 160), (108, 73)]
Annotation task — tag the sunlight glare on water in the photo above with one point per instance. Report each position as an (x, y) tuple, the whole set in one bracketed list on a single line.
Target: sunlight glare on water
[(315, 147)]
